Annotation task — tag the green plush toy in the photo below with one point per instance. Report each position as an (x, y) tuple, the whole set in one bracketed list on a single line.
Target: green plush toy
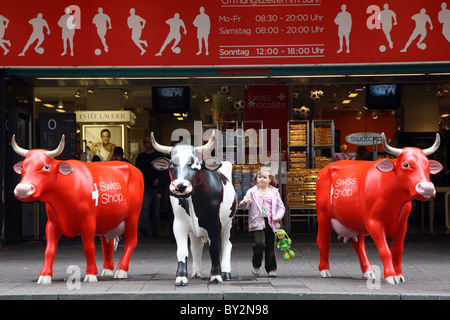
[(283, 242)]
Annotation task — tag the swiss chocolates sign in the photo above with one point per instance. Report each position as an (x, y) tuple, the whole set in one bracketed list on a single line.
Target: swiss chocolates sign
[(221, 33)]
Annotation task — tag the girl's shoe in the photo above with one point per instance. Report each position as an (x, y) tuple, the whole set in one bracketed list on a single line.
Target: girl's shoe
[(286, 256), (255, 271), (291, 254)]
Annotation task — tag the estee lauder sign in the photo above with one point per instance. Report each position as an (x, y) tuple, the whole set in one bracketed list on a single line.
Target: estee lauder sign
[(106, 116)]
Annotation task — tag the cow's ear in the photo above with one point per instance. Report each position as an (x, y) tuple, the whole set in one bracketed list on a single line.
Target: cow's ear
[(18, 167), (211, 163), (65, 168), (435, 167), (385, 165), (161, 164)]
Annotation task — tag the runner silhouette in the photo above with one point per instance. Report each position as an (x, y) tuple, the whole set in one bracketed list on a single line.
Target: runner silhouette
[(421, 20), (102, 22), (38, 34), (175, 24), (344, 22), (137, 24), (203, 25), (3, 25)]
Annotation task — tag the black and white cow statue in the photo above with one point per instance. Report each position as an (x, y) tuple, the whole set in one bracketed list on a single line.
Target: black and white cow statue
[(204, 203)]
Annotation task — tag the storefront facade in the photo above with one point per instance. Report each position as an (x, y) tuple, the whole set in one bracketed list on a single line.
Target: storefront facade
[(269, 54)]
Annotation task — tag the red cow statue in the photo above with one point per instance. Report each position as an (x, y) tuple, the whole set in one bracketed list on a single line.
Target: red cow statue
[(357, 198), (87, 199)]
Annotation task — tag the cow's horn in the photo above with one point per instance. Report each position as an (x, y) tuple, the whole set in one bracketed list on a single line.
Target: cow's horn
[(20, 151), (434, 147), (59, 149), (207, 146), (388, 148), (158, 147)]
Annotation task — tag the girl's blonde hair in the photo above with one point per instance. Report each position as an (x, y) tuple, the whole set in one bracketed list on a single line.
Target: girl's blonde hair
[(265, 170)]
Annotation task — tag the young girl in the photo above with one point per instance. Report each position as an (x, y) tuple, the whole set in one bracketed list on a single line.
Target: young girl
[(265, 211)]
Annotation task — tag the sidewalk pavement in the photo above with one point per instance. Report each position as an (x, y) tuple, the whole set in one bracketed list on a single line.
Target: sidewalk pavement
[(426, 267)]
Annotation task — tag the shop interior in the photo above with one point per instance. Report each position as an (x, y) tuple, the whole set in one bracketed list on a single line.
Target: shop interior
[(424, 108)]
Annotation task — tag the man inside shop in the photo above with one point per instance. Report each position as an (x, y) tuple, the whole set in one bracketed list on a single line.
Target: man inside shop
[(151, 201)]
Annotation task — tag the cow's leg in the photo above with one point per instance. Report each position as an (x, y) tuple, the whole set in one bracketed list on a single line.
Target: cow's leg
[(398, 240), (397, 253), (226, 252), (131, 229), (323, 242), (87, 236), (366, 266), (53, 234), (108, 250), (196, 250), (181, 237), (376, 231), (214, 252)]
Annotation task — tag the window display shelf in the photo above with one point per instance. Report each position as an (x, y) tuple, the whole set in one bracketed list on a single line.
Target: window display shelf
[(310, 148)]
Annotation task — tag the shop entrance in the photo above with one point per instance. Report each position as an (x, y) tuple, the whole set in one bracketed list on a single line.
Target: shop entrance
[(225, 104)]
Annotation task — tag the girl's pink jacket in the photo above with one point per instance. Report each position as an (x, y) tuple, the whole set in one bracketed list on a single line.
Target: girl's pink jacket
[(255, 218)]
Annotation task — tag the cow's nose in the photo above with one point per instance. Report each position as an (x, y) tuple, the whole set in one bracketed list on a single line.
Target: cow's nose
[(24, 190), (426, 189), (181, 187)]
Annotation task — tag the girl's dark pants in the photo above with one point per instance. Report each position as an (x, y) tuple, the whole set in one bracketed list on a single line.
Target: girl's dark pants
[(264, 244)]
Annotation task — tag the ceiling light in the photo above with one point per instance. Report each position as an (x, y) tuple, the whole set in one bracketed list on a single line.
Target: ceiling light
[(48, 105), (90, 90), (77, 78), (233, 76), (346, 101), (387, 75), (37, 99), (352, 95), (154, 78), (177, 114), (78, 94), (180, 118), (60, 110), (445, 115), (311, 76)]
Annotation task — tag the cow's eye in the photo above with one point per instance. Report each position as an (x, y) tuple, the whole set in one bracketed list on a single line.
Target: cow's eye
[(406, 164), (46, 167)]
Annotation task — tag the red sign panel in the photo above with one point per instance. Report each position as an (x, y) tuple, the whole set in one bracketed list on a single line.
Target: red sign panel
[(214, 33)]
